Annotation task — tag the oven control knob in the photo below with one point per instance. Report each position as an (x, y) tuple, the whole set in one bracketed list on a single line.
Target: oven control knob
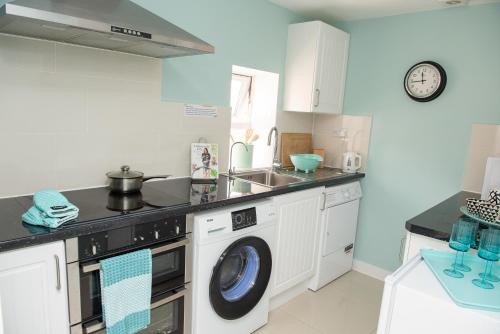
[(94, 249), (157, 235), (177, 230)]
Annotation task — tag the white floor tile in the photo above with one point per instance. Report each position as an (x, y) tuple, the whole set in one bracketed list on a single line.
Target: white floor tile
[(349, 305), (281, 322)]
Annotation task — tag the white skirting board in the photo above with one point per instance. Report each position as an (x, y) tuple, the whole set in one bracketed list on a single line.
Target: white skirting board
[(370, 270)]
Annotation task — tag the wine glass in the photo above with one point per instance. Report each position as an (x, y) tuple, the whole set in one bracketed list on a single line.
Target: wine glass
[(472, 229), (490, 276), (460, 240), (489, 250)]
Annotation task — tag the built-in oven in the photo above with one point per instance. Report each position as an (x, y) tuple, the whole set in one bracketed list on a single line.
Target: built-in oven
[(169, 242)]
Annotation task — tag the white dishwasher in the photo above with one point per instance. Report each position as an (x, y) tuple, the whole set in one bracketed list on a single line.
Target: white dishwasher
[(338, 232)]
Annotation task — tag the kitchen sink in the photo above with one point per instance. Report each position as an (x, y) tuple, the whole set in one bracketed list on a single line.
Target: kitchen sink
[(268, 178)]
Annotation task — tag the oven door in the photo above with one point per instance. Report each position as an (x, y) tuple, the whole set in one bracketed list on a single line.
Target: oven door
[(168, 274), (167, 316)]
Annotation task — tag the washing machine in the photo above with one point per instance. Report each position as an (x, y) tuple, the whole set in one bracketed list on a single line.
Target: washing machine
[(232, 265)]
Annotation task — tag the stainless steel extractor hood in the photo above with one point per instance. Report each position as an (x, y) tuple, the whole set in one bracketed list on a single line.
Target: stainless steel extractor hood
[(118, 25)]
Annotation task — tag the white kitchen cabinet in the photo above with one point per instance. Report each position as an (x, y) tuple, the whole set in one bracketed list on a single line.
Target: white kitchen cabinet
[(316, 68), (1, 316), (415, 242), (414, 302), (297, 229), (33, 290)]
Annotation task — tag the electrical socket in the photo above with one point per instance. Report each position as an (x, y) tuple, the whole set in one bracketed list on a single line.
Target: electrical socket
[(342, 133)]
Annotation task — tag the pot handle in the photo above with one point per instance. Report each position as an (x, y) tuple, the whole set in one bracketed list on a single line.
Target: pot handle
[(144, 179)]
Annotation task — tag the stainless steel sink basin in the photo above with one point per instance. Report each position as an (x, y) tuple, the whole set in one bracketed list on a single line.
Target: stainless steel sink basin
[(268, 178)]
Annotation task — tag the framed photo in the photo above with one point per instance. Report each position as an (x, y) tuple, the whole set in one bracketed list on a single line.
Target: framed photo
[(204, 161)]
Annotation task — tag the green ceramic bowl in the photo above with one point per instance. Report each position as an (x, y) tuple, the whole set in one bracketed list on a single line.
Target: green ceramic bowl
[(306, 162)]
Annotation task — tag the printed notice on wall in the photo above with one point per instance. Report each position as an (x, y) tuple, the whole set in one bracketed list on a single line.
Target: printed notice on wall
[(198, 110)]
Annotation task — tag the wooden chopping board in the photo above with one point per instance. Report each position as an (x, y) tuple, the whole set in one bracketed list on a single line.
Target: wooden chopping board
[(292, 143)]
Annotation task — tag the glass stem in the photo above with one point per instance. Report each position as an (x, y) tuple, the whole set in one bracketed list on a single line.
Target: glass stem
[(463, 255), (485, 272), (488, 273), (455, 263)]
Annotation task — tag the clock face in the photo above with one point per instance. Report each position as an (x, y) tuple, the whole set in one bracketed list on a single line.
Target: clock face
[(425, 81)]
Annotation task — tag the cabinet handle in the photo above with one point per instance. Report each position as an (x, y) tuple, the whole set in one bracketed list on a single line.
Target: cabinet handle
[(161, 249), (323, 203), (58, 273), (401, 249), (89, 329), (317, 92)]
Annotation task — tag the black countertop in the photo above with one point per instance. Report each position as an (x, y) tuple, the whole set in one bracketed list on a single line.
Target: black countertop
[(438, 221), (171, 197)]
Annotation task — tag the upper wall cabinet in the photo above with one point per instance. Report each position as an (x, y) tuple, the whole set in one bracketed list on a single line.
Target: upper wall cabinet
[(316, 68)]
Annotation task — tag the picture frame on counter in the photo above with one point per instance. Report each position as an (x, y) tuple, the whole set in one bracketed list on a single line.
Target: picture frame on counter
[(204, 161)]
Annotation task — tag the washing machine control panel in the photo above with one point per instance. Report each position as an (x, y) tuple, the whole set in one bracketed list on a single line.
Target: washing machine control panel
[(244, 218)]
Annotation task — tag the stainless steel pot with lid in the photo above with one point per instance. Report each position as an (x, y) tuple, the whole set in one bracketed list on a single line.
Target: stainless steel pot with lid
[(127, 181)]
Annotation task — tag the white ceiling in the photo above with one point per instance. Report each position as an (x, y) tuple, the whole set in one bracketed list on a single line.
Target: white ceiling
[(348, 10)]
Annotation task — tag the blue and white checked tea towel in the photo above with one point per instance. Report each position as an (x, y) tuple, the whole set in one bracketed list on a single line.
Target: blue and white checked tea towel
[(126, 292)]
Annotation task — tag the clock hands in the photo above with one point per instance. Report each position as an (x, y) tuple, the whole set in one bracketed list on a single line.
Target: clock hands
[(421, 81)]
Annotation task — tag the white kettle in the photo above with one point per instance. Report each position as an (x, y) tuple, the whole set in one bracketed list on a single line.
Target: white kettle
[(351, 162)]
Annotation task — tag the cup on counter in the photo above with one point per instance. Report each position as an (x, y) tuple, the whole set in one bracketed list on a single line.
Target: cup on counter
[(243, 157), (489, 212), (474, 205), (495, 196)]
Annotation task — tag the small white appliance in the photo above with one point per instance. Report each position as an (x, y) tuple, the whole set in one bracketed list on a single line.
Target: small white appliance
[(337, 233), (414, 302), (351, 162), (232, 263)]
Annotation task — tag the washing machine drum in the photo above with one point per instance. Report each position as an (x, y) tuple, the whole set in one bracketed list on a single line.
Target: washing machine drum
[(240, 277)]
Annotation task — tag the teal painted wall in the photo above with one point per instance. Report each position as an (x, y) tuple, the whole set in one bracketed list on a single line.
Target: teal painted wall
[(250, 33), (418, 150)]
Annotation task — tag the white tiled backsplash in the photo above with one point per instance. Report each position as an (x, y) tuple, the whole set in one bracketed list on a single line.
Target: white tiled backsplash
[(326, 135), (484, 142), (69, 114)]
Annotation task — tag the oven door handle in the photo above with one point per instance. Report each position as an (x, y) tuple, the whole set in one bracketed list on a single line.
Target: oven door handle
[(89, 329), (154, 251)]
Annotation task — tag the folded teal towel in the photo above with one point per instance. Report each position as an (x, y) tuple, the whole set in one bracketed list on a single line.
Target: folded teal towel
[(126, 292), (36, 217), (53, 204)]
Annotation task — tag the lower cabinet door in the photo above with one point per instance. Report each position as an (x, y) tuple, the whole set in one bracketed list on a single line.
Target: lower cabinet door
[(297, 231), (33, 290), (415, 242)]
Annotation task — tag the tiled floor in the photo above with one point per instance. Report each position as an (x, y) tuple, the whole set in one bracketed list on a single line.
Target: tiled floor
[(349, 305)]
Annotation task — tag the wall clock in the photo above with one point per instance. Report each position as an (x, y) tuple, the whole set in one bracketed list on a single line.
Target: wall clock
[(425, 81)]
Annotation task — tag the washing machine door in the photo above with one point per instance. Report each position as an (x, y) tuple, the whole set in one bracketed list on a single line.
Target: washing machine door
[(240, 277)]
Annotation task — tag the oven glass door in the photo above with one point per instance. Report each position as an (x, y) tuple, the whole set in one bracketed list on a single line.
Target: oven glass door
[(168, 271), (167, 318)]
